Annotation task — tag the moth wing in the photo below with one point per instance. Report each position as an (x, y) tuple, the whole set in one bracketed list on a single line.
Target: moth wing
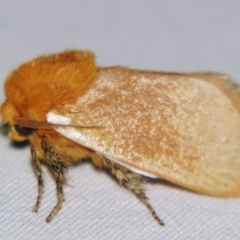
[(184, 128)]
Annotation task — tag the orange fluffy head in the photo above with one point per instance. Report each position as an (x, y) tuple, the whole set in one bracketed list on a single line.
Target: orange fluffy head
[(46, 82)]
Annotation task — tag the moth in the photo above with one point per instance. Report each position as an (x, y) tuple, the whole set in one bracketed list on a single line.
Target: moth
[(184, 128)]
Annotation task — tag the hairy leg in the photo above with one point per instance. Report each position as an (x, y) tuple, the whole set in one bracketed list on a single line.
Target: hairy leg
[(134, 182), (59, 169), (36, 163)]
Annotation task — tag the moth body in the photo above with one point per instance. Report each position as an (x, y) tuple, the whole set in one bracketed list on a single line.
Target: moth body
[(184, 128)]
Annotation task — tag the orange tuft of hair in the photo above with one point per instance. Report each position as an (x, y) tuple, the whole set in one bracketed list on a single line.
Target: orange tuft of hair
[(47, 81)]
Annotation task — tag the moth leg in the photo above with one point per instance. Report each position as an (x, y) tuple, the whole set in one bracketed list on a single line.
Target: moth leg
[(36, 163), (60, 195), (134, 182), (59, 169)]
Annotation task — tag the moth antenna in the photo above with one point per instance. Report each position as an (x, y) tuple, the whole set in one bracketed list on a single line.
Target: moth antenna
[(25, 122), (28, 123)]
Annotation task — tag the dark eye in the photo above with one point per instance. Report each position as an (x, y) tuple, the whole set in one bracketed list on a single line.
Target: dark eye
[(23, 131)]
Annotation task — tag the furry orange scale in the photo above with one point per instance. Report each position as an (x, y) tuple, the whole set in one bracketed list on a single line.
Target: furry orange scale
[(184, 128)]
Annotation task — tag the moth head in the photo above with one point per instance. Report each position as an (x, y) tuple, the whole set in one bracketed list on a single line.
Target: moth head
[(45, 83), (16, 132)]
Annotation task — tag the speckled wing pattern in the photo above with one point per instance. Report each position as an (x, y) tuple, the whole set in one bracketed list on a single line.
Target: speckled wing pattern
[(184, 128)]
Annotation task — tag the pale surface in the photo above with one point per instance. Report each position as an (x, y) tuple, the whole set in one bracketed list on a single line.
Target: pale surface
[(175, 35)]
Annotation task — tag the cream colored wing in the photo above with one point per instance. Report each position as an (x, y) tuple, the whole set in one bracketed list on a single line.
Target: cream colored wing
[(179, 127)]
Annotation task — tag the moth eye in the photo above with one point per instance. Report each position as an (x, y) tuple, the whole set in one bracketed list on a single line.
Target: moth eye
[(23, 131)]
